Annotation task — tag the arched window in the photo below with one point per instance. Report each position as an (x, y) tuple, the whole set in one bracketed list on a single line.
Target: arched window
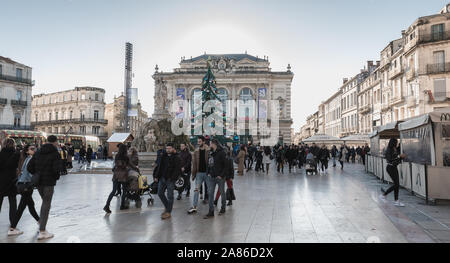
[(17, 118), (246, 104), (223, 96), (196, 96)]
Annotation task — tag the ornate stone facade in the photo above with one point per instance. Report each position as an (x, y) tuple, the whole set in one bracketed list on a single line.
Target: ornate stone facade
[(15, 95), (78, 111), (237, 76)]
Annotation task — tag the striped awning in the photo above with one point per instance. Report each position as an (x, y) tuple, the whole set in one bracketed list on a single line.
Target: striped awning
[(22, 134)]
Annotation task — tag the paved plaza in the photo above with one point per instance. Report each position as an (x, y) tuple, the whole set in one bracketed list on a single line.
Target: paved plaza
[(342, 206)]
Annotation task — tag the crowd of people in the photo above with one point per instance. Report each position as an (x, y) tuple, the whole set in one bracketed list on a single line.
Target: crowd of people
[(25, 168), (210, 169)]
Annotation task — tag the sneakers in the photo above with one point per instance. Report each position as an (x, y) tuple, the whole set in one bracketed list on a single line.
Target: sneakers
[(165, 216), (222, 211), (209, 215), (44, 235), (382, 197), (192, 210), (230, 203), (399, 204), (107, 210), (179, 197), (14, 232)]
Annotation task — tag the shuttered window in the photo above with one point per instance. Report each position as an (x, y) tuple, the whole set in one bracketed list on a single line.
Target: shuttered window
[(439, 89)]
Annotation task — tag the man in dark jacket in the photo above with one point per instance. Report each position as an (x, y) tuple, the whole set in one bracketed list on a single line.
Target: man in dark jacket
[(82, 154), (89, 153), (186, 161), (46, 163), (216, 176), (9, 160), (167, 173), (324, 156)]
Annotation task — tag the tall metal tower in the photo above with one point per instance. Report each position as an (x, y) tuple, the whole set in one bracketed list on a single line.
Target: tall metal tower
[(128, 79)]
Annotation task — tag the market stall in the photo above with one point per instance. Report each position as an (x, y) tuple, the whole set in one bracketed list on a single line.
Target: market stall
[(320, 139), (356, 140), (425, 140), (116, 139)]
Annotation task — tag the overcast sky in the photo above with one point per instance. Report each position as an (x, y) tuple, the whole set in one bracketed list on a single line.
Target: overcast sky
[(81, 42)]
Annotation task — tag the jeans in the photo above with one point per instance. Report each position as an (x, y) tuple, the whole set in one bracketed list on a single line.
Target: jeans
[(116, 188), (229, 186), (324, 164), (334, 161), (164, 184), (46, 193), (211, 189), (12, 207), (393, 173), (25, 200), (199, 179)]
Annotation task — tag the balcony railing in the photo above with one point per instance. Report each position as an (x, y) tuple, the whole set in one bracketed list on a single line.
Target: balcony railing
[(437, 68), (385, 107), (19, 103), (12, 127), (397, 99), (16, 79), (411, 102), (3, 101), (80, 120), (365, 109), (433, 37), (411, 74), (441, 96)]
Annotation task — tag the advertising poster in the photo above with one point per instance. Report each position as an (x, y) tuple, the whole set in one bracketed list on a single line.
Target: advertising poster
[(181, 96), (132, 102), (262, 103)]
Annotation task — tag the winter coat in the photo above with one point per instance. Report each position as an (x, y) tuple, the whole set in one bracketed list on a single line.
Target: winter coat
[(196, 160), (266, 158), (120, 169), (89, 153), (170, 167), (186, 161), (9, 161), (218, 165), (229, 169), (324, 154), (241, 158), (392, 157), (47, 163)]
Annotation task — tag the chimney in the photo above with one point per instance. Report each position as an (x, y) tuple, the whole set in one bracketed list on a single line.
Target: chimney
[(369, 64), (378, 63), (345, 80)]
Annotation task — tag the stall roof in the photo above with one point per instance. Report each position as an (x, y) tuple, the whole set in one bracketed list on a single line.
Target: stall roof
[(119, 137), (373, 134), (442, 115), (322, 138), (356, 137)]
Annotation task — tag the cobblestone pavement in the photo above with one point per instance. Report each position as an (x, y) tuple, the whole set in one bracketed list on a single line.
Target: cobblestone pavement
[(341, 206)]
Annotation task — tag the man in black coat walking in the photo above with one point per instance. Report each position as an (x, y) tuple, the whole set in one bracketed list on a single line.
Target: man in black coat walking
[(168, 171), (47, 164), (186, 162), (217, 167)]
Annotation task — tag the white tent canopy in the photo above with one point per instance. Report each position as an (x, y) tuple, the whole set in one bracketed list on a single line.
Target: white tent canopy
[(356, 138), (322, 138), (119, 137)]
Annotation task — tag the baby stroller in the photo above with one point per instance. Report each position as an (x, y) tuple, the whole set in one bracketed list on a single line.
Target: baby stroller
[(311, 166), (137, 187)]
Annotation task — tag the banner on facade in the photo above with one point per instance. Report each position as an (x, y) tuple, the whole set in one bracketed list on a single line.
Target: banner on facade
[(181, 96), (262, 103), (132, 102)]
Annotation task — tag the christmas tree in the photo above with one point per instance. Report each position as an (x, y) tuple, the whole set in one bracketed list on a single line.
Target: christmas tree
[(209, 92)]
